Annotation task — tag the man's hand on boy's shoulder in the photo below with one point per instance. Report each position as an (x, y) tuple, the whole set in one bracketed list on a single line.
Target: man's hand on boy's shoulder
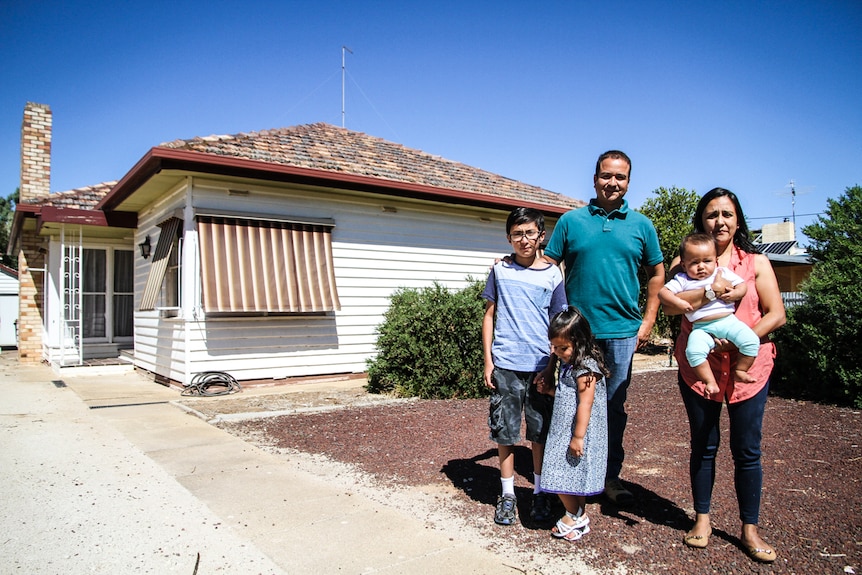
[(507, 258)]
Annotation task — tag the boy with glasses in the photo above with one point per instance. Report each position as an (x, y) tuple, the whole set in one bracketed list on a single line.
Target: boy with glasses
[(521, 295)]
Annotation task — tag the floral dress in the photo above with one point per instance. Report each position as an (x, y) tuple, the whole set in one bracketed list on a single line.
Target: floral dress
[(561, 471)]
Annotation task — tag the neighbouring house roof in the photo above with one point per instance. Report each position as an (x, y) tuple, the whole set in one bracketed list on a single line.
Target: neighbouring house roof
[(326, 155), (790, 260), (784, 253), (776, 247), (6, 270)]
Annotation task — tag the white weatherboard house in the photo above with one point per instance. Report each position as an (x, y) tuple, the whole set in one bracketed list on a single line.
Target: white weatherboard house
[(265, 255)]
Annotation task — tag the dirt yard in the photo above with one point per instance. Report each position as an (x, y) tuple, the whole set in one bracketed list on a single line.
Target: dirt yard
[(812, 470)]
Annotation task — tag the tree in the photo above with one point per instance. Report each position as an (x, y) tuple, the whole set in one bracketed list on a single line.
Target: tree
[(7, 209), (818, 352), (671, 211)]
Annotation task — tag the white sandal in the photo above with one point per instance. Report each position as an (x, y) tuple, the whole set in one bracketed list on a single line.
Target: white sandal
[(577, 533), (573, 532)]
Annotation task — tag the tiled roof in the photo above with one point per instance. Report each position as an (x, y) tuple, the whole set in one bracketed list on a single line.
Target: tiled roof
[(84, 198), (329, 148)]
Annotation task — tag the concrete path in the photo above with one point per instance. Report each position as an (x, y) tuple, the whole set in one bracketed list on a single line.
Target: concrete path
[(102, 474)]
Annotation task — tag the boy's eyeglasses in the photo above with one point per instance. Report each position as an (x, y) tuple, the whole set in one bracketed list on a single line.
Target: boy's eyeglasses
[(530, 235)]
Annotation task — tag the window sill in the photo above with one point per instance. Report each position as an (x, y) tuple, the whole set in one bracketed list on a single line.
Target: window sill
[(168, 311)]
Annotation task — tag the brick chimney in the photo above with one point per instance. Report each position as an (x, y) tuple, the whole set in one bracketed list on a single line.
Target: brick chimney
[(35, 184), (35, 152)]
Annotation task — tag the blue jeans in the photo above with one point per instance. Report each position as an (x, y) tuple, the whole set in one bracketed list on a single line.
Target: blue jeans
[(618, 354), (746, 422)]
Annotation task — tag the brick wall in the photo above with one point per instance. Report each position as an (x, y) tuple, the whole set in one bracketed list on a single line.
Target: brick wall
[(35, 183), (30, 297)]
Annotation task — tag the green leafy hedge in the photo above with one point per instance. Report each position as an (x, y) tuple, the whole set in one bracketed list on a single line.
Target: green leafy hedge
[(819, 355), (430, 344)]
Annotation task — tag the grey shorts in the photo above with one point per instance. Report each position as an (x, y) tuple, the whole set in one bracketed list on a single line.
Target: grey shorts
[(515, 394)]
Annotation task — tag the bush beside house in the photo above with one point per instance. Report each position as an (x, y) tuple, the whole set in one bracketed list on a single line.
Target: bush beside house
[(430, 344)]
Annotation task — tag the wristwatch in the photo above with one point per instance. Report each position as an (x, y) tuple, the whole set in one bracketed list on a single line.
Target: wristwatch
[(709, 293)]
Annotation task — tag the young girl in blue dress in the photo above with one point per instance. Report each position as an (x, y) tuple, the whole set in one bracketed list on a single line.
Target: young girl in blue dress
[(576, 450)]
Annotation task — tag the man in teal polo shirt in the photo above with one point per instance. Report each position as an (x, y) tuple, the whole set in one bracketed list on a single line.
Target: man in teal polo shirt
[(603, 245)]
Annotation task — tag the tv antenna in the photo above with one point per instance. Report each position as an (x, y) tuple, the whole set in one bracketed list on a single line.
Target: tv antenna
[(793, 193), (792, 185), (343, 50)]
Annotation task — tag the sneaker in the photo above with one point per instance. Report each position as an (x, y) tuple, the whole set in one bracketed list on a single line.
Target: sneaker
[(507, 510), (541, 510), (617, 493)]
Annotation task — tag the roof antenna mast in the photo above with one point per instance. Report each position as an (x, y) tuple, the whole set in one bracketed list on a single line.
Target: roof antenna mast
[(793, 205), (343, 50)]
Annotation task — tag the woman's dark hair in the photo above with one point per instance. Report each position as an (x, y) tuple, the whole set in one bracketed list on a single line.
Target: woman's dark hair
[(740, 238), (574, 327)]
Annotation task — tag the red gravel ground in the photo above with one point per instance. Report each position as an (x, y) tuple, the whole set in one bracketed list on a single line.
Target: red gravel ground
[(811, 496)]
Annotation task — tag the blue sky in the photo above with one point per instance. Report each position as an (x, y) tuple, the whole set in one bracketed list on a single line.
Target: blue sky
[(744, 95)]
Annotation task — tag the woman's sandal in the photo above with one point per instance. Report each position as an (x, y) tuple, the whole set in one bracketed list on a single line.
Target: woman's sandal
[(573, 532), (761, 554), (697, 541)]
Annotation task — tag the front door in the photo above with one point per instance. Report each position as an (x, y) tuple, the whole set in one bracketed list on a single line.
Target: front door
[(97, 301)]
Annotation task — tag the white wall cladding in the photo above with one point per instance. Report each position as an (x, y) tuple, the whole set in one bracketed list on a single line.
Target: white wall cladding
[(374, 254), (9, 289), (8, 284), (159, 342)]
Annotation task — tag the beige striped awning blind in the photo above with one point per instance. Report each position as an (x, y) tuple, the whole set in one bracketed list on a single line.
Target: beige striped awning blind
[(261, 266), (161, 257)]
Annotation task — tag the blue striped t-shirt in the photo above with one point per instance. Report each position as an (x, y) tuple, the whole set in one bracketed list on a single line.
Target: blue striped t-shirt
[(526, 299)]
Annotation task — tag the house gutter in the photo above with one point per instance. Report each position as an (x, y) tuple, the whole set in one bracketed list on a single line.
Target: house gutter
[(59, 215), (22, 211), (160, 158)]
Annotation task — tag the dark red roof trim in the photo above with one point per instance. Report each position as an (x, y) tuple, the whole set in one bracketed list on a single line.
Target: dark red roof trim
[(87, 217)]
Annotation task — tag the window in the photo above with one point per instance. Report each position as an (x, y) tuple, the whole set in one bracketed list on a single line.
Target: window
[(166, 257), (124, 295), (171, 292), (93, 287), (263, 267), (88, 292)]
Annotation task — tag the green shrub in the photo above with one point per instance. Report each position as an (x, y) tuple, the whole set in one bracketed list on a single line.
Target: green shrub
[(430, 344), (819, 356)]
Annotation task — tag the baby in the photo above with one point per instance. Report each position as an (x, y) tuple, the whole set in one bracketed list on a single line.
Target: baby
[(715, 319)]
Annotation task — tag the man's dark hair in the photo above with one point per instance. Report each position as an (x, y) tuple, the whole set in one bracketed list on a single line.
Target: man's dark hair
[(520, 216), (615, 155)]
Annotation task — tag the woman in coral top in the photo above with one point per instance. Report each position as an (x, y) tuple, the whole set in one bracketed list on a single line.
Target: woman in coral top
[(720, 215)]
